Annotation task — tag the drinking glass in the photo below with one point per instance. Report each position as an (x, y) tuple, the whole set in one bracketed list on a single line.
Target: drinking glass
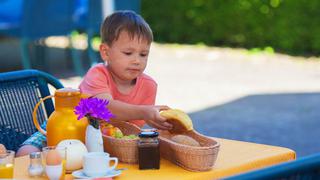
[(7, 164)]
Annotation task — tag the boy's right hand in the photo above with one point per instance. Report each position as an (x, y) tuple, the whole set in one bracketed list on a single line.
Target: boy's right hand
[(154, 119)]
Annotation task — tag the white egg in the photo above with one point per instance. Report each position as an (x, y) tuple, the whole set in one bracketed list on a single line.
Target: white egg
[(53, 157), (75, 151)]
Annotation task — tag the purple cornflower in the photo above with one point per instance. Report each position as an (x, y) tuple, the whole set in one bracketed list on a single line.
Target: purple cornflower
[(93, 107)]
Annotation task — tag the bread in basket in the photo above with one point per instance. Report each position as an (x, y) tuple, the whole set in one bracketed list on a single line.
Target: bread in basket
[(201, 152)]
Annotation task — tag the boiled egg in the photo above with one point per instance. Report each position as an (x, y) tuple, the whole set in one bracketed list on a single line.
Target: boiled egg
[(3, 149), (53, 158)]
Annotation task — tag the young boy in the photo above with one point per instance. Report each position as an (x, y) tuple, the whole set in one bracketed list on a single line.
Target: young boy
[(126, 40)]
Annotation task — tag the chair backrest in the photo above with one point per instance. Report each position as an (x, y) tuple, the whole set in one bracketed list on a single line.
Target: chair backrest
[(10, 15), (47, 18), (19, 93), (34, 19), (307, 167)]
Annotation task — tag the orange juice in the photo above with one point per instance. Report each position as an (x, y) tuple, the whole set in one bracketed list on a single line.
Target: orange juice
[(6, 171)]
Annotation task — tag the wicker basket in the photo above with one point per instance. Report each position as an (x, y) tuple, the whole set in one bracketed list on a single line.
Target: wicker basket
[(190, 157), (126, 150)]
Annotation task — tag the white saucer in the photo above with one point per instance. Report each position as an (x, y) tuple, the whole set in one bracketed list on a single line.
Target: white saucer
[(80, 174)]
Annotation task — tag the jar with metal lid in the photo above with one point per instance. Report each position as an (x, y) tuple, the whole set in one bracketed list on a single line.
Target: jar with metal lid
[(35, 168), (148, 150)]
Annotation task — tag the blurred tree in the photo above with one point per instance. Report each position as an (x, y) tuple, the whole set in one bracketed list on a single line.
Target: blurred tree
[(291, 26)]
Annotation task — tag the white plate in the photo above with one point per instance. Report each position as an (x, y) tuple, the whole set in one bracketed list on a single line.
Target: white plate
[(80, 174)]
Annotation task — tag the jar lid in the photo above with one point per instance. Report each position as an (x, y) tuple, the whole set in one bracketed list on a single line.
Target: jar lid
[(35, 155), (147, 134), (67, 92)]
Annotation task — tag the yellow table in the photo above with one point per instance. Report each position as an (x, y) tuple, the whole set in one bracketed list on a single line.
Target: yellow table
[(234, 157)]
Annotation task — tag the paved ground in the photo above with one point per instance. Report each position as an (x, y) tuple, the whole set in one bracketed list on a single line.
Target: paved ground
[(270, 99), (262, 98)]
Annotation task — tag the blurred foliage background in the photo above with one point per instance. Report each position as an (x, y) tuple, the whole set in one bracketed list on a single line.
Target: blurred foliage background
[(287, 26)]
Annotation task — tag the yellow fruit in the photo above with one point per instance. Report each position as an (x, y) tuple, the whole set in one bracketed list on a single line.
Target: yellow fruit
[(112, 131), (118, 133)]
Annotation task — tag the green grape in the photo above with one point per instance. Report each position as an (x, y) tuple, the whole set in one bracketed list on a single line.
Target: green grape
[(128, 137), (118, 134)]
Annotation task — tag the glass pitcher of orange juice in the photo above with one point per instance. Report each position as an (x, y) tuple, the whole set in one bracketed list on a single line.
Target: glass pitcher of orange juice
[(6, 164), (62, 123)]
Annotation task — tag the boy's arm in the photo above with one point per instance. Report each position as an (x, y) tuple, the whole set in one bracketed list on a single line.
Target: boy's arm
[(125, 112)]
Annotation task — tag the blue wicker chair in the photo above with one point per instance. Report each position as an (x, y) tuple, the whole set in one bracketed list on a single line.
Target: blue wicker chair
[(31, 20), (19, 93), (305, 168)]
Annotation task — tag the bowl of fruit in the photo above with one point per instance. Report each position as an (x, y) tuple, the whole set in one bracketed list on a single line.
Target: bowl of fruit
[(120, 139)]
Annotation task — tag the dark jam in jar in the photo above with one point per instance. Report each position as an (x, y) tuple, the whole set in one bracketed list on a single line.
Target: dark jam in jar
[(148, 149)]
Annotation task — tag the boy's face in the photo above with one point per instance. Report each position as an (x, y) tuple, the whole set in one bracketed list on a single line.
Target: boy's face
[(126, 57)]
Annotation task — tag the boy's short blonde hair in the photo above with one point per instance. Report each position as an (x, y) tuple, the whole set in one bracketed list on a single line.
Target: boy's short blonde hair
[(127, 21)]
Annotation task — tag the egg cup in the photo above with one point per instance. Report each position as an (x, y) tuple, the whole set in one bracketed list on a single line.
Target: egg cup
[(54, 172), (55, 163)]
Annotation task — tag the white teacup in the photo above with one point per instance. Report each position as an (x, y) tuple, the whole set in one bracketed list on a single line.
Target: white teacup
[(97, 164)]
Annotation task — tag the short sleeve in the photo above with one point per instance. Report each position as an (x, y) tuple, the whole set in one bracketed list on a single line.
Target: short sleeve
[(95, 81), (150, 92), (147, 94)]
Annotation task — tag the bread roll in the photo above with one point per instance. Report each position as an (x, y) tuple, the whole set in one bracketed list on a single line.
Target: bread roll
[(186, 140), (180, 120)]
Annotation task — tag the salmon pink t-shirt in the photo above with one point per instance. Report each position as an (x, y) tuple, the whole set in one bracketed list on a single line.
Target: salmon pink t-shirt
[(98, 80)]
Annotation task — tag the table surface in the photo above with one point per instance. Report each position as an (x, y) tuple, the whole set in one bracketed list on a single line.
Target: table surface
[(234, 157)]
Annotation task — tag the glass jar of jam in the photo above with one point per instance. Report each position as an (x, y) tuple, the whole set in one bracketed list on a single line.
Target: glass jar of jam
[(148, 150)]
